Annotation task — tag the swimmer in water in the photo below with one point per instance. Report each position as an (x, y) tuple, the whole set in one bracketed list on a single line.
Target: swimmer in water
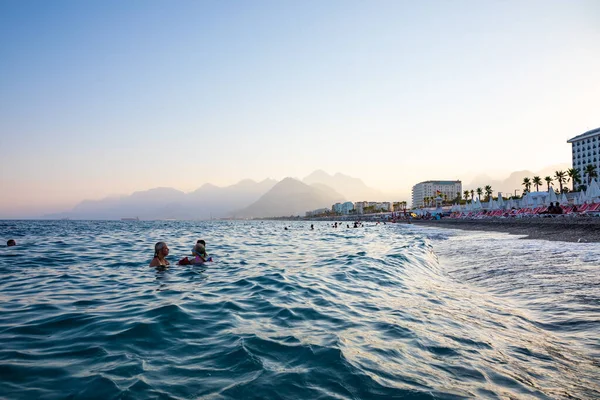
[(161, 250), (11, 242), (199, 252)]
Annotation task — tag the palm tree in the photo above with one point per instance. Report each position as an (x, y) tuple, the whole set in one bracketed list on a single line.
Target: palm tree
[(527, 184), (472, 195), (537, 181), (488, 191), (466, 194), (590, 171), (479, 192), (548, 180), (574, 175), (561, 177)]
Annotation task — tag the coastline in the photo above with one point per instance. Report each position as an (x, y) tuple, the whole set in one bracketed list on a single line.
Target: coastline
[(554, 229)]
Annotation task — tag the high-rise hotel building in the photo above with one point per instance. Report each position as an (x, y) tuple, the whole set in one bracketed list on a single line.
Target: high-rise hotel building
[(432, 189), (586, 150)]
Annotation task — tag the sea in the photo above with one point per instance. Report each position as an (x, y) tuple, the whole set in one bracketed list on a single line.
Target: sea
[(382, 311)]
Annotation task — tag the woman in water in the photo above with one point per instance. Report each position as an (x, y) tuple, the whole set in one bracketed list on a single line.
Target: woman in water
[(161, 250)]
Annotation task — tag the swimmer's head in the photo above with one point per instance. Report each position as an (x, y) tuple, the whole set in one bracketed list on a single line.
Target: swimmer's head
[(160, 246), (199, 248), (11, 242)]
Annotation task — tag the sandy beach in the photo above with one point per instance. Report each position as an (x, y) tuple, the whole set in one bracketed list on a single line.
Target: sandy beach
[(555, 229)]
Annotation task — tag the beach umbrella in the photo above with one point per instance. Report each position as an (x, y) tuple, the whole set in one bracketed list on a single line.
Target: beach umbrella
[(546, 198), (552, 196), (490, 205), (521, 203), (495, 205), (582, 198), (563, 199), (594, 189), (500, 202), (588, 192)]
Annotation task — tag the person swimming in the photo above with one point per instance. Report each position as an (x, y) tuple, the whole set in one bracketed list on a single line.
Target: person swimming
[(11, 242), (161, 250), (199, 252)]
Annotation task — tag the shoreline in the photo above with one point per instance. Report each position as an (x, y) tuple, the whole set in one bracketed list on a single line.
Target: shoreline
[(572, 230)]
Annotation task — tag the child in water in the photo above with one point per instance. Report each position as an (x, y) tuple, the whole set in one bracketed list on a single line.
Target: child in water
[(199, 252)]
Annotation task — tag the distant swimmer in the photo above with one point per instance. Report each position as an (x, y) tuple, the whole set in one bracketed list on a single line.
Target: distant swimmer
[(312, 227), (11, 242), (161, 250)]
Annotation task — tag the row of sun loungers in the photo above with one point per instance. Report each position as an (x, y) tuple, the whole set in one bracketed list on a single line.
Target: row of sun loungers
[(568, 211)]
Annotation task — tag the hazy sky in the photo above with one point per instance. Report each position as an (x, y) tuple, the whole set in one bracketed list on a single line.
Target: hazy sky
[(110, 97)]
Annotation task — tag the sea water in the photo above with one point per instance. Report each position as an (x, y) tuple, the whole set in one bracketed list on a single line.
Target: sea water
[(381, 311)]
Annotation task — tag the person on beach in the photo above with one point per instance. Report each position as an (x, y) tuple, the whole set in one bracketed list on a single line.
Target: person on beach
[(549, 210), (11, 242), (161, 250)]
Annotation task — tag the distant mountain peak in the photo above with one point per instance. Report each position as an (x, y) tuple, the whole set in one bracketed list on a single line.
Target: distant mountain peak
[(317, 175), (208, 186), (353, 189), (290, 196)]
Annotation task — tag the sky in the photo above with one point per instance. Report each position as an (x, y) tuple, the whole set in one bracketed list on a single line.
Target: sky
[(99, 98)]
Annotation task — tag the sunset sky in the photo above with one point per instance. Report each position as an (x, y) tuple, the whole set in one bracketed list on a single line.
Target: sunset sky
[(109, 97)]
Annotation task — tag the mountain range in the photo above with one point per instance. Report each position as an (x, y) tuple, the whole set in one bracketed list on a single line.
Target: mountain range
[(246, 199), (267, 198)]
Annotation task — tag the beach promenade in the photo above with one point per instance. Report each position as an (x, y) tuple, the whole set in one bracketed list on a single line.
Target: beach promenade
[(565, 229)]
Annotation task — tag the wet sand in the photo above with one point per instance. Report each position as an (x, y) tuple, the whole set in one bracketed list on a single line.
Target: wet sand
[(555, 229)]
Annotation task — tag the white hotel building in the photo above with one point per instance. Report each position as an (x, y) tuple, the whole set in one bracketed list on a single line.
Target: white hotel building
[(586, 150), (430, 189)]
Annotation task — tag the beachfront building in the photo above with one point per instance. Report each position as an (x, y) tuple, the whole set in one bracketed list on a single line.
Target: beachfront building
[(368, 207), (586, 151), (433, 189), (384, 206), (318, 212), (343, 208), (360, 206)]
